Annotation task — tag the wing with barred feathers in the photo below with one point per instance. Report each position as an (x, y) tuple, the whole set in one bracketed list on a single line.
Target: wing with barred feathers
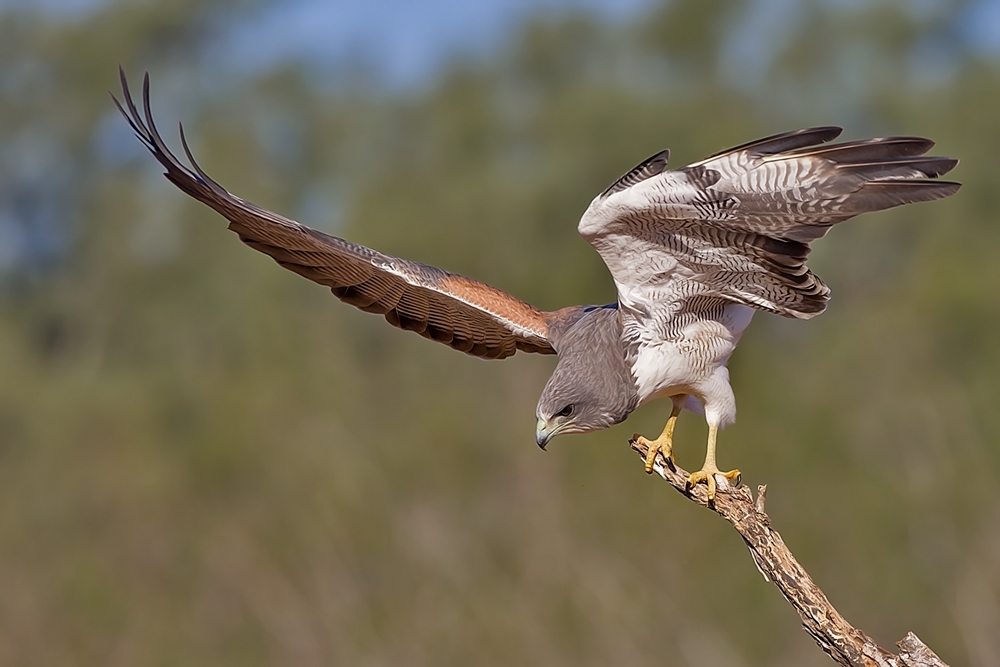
[(464, 314), (737, 225)]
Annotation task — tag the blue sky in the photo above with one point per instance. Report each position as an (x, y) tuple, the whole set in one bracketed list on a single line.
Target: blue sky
[(405, 40)]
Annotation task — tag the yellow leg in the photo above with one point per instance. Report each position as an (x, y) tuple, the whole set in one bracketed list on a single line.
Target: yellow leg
[(710, 469), (663, 444)]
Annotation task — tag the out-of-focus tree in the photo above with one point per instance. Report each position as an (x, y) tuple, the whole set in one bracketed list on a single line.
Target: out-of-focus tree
[(206, 460)]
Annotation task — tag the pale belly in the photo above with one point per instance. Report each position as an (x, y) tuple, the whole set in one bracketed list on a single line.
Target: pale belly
[(691, 362)]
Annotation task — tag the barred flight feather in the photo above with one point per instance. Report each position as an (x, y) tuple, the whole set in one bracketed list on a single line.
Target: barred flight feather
[(742, 233)]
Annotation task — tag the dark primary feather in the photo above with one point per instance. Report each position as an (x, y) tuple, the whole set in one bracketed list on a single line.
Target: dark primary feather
[(651, 166), (846, 179), (786, 141), (466, 315)]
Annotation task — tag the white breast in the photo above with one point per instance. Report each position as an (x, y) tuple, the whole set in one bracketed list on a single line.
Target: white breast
[(683, 363)]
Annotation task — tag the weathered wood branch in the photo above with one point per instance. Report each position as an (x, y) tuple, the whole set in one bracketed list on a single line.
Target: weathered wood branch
[(847, 645)]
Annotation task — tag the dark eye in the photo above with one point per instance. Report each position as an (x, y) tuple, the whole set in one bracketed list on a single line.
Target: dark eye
[(565, 412)]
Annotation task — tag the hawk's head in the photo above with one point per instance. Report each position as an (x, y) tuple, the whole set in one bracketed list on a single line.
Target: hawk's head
[(591, 387), (569, 407)]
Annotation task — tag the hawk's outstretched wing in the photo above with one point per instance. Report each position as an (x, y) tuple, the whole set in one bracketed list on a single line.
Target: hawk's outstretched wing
[(737, 225), (467, 315)]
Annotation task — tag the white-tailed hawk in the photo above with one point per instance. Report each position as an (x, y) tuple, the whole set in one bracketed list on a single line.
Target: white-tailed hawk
[(693, 253)]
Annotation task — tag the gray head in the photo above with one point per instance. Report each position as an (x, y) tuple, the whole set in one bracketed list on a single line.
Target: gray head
[(591, 387)]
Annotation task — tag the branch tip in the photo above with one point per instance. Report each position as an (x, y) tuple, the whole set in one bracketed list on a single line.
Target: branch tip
[(761, 497)]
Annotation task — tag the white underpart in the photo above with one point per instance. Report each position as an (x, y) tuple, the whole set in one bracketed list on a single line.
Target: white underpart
[(692, 363)]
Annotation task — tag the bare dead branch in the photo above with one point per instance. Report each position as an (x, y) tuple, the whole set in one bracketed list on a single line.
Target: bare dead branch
[(847, 645)]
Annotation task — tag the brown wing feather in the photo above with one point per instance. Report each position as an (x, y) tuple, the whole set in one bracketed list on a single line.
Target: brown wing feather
[(466, 315)]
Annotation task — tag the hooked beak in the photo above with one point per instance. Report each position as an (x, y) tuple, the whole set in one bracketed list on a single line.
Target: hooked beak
[(545, 432)]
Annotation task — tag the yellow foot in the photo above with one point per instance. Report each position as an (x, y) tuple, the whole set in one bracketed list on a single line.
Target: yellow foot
[(662, 445), (707, 475)]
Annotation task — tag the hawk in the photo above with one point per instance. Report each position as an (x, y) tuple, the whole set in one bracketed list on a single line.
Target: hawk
[(693, 253)]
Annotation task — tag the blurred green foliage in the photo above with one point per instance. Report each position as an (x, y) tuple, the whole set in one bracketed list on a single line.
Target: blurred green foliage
[(205, 460)]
